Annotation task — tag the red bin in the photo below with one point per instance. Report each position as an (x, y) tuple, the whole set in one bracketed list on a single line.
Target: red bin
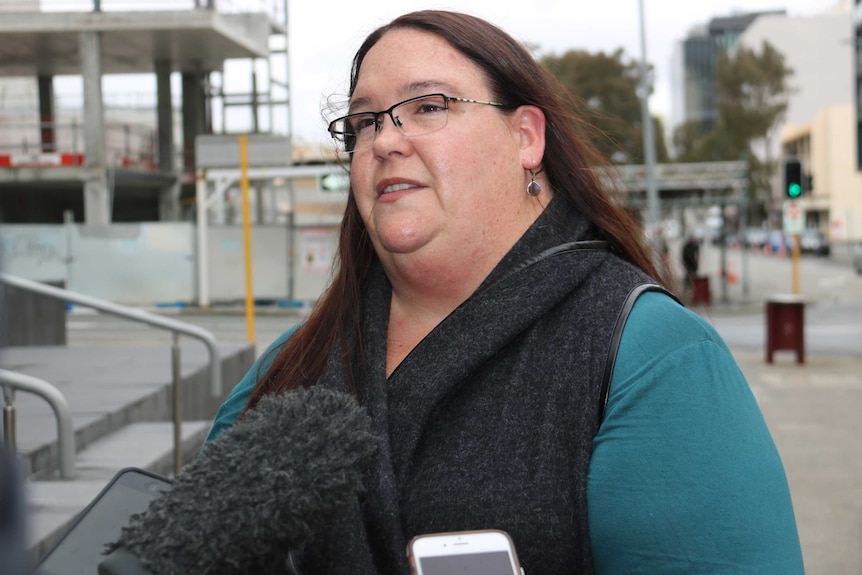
[(785, 326), (700, 294)]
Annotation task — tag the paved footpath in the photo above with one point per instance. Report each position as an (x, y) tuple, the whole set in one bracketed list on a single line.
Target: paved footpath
[(814, 412)]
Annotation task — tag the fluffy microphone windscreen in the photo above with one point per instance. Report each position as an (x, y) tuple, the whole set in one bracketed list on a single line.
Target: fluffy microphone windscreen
[(265, 486)]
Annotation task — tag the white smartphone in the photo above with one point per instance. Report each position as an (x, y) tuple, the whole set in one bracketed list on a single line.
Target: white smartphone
[(82, 547), (484, 552)]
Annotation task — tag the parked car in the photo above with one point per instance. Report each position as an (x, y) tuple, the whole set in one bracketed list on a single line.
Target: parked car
[(857, 258), (814, 242)]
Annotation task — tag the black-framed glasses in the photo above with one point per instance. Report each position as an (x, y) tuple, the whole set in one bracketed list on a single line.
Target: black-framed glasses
[(414, 117)]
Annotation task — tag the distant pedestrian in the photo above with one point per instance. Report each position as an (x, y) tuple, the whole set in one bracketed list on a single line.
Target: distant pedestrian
[(691, 257)]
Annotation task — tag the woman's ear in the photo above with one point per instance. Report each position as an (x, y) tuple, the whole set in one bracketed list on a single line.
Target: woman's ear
[(532, 136)]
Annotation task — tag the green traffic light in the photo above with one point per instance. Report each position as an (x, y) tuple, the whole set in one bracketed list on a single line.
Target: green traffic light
[(794, 190)]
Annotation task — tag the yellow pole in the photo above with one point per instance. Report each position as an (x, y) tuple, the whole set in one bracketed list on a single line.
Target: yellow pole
[(246, 236), (795, 265)]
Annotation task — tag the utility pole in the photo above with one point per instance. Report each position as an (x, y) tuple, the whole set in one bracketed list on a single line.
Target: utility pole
[(653, 216)]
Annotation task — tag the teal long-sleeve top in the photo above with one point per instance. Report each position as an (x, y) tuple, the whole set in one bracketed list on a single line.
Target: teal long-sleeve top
[(685, 477)]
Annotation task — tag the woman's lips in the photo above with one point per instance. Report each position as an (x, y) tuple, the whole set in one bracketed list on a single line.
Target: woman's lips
[(398, 188)]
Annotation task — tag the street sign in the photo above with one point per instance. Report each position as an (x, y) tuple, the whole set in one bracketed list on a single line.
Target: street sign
[(794, 222), (335, 182)]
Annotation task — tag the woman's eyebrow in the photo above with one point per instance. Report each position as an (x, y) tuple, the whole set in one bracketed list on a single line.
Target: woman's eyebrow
[(358, 103), (437, 85), (413, 89)]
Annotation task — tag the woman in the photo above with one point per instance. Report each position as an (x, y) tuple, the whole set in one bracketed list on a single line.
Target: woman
[(479, 314)]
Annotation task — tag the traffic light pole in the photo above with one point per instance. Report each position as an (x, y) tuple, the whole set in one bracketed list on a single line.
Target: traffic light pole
[(794, 267), (793, 190)]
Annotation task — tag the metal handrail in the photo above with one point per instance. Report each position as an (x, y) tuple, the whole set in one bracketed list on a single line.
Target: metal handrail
[(175, 326), (65, 428)]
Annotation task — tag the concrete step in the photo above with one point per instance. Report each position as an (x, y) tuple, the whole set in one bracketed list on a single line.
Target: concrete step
[(54, 504), (108, 388), (121, 402)]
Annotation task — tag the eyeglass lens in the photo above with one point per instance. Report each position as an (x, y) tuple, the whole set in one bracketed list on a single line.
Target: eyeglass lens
[(414, 118)]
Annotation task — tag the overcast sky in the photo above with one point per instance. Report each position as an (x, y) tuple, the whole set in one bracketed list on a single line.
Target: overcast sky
[(324, 34)]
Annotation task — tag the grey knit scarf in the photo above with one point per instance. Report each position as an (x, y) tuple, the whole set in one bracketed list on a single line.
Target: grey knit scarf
[(488, 422)]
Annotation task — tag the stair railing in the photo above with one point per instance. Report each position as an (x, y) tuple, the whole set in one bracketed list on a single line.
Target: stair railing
[(174, 326), (11, 381)]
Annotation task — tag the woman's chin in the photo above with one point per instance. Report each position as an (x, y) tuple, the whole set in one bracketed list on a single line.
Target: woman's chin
[(401, 246), (398, 240)]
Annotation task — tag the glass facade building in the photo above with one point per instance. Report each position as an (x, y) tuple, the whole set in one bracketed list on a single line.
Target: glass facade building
[(695, 61)]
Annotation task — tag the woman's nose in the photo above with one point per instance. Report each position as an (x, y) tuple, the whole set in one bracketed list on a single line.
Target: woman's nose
[(388, 134)]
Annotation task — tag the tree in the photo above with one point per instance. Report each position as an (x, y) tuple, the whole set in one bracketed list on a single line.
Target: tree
[(693, 142), (752, 101), (752, 95), (604, 89)]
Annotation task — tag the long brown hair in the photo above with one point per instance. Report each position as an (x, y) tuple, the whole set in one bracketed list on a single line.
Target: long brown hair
[(569, 163)]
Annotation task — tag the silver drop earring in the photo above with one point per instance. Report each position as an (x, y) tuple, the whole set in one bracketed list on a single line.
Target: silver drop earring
[(533, 188)]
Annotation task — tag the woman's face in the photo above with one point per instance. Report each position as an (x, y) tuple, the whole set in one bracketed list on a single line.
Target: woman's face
[(457, 192)]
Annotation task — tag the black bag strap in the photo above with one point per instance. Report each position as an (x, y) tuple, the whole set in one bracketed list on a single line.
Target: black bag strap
[(617, 335)]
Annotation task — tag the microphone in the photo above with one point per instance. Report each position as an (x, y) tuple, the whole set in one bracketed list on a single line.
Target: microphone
[(264, 487)]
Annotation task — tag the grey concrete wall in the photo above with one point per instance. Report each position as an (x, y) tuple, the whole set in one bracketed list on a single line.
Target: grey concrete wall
[(125, 263), (227, 262), (315, 247), (34, 251), (133, 263), (30, 318), (154, 263)]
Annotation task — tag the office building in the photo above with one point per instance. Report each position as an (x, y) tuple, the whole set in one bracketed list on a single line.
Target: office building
[(832, 198), (693, 68), (818, 124)]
